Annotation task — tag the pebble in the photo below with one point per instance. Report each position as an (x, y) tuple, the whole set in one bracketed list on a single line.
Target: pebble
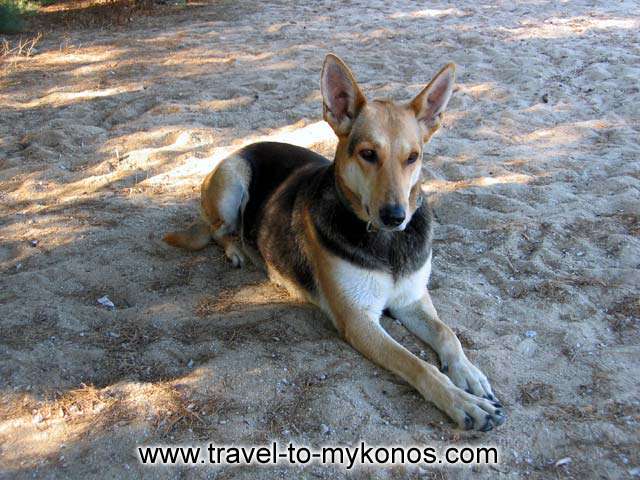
[(563, 461), (105, 302), (190, 364), (527, 347), (324, 429), (38, 418), (530, 333)]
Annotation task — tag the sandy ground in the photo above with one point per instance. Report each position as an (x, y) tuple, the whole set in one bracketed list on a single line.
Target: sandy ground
[(105, 135)]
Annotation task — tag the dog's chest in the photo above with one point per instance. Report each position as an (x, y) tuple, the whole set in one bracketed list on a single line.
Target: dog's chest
[(373, 291)]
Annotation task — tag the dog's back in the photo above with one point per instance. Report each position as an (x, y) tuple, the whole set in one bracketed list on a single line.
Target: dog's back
[(271, 164)]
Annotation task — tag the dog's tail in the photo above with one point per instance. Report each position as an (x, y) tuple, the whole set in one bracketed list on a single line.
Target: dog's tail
[(196, 237)]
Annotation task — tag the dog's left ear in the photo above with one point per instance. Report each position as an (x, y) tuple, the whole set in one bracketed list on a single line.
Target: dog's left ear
[(432, 101)]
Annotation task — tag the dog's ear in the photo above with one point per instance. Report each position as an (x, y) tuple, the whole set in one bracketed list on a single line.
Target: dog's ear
[(432, 101), (341, 96)]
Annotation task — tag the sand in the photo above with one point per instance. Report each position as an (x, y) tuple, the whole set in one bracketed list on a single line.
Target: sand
[(106, 133)]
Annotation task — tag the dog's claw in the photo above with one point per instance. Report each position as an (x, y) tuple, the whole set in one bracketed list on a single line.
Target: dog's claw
[(468, 422), (488, 424), (474, 413)]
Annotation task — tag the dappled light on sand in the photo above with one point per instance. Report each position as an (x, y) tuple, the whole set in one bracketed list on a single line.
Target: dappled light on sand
[(106, 133), (444, 186)]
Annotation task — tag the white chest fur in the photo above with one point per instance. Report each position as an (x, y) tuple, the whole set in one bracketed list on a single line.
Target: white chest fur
[(373, 291)]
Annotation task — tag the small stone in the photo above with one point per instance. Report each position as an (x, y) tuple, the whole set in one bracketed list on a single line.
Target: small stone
[(563, 461), (38, 418), (530, 333), (324, 429), (34, 243), (545, 98), (190, 364), (105, 302)]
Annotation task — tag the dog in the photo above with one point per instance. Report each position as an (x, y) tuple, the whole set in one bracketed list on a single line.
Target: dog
[(352, 236)]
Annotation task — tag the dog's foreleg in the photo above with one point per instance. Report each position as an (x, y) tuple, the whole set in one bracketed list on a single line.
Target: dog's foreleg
[(364, 332), (422, 320)]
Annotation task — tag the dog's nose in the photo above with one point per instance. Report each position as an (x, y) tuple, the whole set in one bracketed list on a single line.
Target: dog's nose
[(392, 215)]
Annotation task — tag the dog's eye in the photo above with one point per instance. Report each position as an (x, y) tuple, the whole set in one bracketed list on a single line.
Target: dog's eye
[(369, 155), (412, 158)]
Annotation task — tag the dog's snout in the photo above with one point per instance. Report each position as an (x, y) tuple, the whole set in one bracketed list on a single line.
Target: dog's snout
[(392, 215)]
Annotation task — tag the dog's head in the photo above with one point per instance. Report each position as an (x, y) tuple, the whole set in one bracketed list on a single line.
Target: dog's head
[(379, 154)]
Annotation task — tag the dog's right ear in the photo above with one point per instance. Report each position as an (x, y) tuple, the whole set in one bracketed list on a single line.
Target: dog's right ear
[(341, 96)]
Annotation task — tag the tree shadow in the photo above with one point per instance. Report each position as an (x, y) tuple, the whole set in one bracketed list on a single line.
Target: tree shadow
[(104, 139)]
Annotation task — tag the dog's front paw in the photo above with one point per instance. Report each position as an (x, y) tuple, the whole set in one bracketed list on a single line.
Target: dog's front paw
[(468, 377), (474, 413)]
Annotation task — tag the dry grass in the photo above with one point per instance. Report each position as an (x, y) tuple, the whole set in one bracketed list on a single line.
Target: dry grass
[(292, 412), (42, 326), (122, 343), (536, 392), (12, 52), (206, 307), (21, 48), (625, 315), (81, 405), (92, 13), (631, 221)]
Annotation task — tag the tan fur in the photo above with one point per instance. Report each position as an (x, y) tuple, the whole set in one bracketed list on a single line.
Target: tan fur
[(222, 193), (393, 132)]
